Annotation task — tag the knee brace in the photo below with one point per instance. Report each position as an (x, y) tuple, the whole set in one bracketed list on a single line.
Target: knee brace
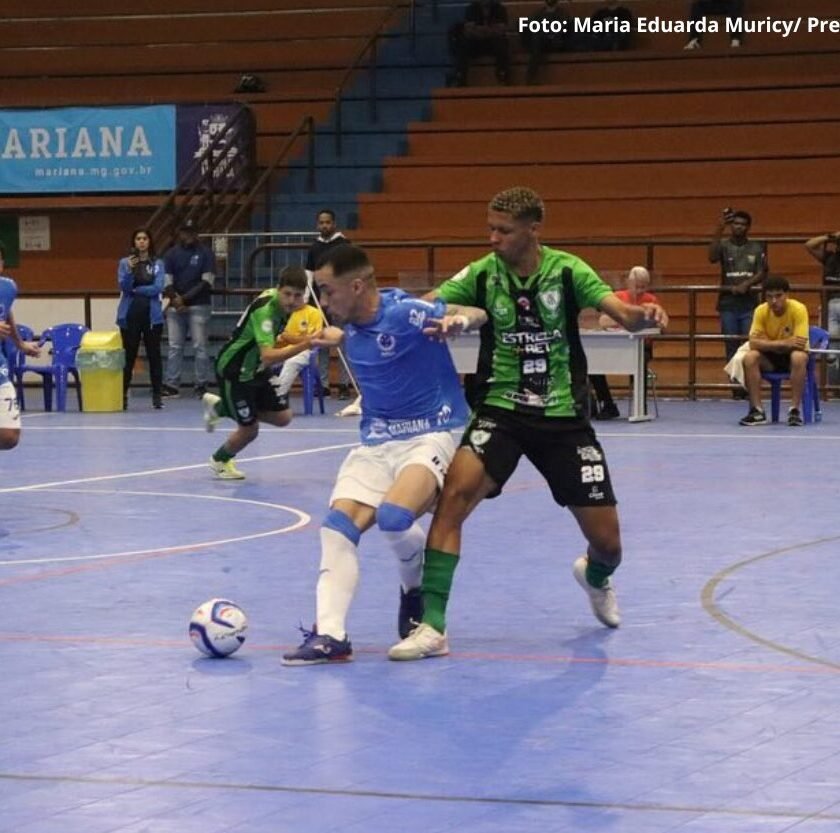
[(393, 518), (341, 523)]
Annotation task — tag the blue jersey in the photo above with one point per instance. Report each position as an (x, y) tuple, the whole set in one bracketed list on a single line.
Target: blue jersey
[(8, 293), (408, 382)]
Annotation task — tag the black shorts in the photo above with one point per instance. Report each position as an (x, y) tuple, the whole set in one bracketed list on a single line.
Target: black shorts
[(565, 452), (244, 400), (780, 362)]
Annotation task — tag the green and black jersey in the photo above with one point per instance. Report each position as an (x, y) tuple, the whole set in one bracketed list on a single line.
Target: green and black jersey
[(239, 360), (531, 359)]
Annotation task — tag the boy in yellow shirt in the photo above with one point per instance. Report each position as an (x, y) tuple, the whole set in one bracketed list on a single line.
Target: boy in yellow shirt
[(778, 344)]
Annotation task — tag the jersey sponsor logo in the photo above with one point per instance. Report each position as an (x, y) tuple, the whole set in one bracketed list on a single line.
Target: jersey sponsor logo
[(479, 438), (386, 343), (503, 312), (417, 317), (590, 454), (524, 303), (596, 494), (542, 337), (383, 429), (528, 397)]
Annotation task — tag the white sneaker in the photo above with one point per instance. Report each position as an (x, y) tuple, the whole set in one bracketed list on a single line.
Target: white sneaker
[(226, 471), (210, 415), (694, 43), (603, 600), (424, 641)]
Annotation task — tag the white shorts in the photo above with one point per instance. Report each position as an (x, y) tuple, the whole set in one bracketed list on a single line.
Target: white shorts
[(369, 471), (9, 410)]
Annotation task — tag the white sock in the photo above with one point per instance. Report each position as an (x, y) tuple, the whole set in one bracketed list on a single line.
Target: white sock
[(408, 547), (336, 583)]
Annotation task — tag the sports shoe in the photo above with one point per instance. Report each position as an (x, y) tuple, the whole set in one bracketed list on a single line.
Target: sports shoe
[(602, 599), (411, 611), (795, 418), (210, 416), (170, 391), (755, 417), (694, 43), (318, 650), (424, 641), (226, 471), (157, 403), (607, 411)]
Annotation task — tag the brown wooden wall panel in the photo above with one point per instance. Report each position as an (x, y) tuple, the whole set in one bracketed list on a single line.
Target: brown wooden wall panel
[(554, 109), (176, 59), (722, 180), (622, 145), (191, 30), (89, 8)]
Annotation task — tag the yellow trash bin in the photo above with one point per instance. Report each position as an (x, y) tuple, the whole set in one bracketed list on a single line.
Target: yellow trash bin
[(100, 360)]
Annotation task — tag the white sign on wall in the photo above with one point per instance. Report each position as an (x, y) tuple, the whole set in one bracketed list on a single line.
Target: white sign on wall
[(34, 234)]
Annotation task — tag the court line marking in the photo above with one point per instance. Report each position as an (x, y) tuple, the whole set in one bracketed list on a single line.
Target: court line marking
[(753, 812), (302, 520), (710, 605), (149, 472)]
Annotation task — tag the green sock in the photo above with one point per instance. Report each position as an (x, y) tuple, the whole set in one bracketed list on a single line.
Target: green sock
[(223, 455), (438, 572), (597, 574)]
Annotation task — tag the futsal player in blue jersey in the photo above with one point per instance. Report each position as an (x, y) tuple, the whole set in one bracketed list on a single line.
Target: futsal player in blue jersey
[(411, 400), (9, 410)]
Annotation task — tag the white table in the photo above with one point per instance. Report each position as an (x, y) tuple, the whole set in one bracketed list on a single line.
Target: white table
[(607, 351)]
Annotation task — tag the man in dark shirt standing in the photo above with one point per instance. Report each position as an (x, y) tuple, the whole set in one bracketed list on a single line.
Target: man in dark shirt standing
[(482, 32), (826, 249), (743, 268), (190, 272), (329, 238)]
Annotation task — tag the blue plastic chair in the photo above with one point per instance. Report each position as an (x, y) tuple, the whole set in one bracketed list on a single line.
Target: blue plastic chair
[(65, 340), (817, 338), (18, 366), (310, 378)]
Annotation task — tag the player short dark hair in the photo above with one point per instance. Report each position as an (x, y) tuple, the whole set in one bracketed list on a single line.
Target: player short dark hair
[(346, 259), (294, 277), (742, 215), (326, 211), (776, 283), (520, 203)]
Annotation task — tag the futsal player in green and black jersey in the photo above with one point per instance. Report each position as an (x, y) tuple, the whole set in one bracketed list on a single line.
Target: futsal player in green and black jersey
[(530, 398), (247, 381)]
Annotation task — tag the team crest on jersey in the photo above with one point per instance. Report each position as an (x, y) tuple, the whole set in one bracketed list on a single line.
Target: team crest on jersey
[(550, 299), (503, 311), (386, 343), (478, 439), (267, 326), (444, 415)]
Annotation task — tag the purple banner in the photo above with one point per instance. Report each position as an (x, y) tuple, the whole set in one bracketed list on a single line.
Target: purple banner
[(222, 137)]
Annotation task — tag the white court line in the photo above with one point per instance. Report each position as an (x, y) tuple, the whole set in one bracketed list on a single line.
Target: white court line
[(302, 520), (148, 472)]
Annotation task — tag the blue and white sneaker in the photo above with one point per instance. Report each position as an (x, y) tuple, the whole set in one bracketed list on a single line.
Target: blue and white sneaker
[(411, 611), (318, 650)]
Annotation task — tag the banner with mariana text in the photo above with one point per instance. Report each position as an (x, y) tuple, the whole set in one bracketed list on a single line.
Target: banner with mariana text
[(83, 149), (66, 150)]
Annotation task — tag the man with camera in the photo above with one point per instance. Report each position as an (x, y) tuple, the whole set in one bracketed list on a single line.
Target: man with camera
[(743, 268)]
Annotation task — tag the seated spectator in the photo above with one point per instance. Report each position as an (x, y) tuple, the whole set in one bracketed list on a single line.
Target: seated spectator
[(635, 292), (778, 344), (732, 9), (536, 44), (482, 32), (826, 249), (612, 28)]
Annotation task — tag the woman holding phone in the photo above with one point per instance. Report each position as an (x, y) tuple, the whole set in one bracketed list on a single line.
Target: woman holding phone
[(140, 312)]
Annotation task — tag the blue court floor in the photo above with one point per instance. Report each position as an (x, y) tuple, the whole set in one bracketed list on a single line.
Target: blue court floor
[(713, 709)]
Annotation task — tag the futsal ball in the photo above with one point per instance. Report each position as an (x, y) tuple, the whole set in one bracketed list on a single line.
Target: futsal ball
[(218, 627)]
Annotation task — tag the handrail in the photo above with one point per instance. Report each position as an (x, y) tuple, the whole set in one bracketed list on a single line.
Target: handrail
[(307, 125), (369, 46)]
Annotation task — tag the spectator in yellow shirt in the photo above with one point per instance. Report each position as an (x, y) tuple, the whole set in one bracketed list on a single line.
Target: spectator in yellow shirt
[(778, 344), (302, 323)]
